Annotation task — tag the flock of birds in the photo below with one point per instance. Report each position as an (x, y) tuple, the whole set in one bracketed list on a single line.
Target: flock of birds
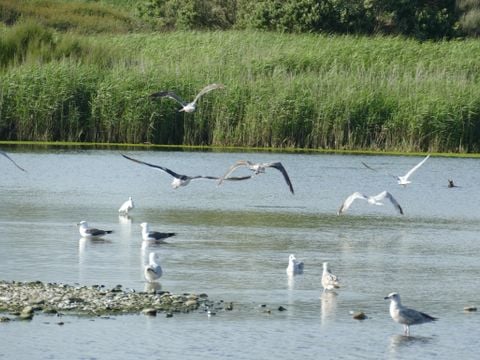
[(153, 271)]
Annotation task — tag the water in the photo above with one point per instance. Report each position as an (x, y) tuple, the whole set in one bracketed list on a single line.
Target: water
[(233, 243)]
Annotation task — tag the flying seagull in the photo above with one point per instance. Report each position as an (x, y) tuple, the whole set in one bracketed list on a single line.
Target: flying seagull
[(188, 107), (258, 168), (374, 200), (126, 206), (402, 180), (88, 232), (294, 266), (404, 315), (329, 281), (153, 270), (9, 158), (183, 180), (148, 235)]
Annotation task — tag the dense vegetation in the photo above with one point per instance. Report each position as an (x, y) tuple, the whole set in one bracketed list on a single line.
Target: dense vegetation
[(282, 90)]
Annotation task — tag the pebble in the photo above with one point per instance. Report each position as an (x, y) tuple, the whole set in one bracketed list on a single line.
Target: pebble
[(359, 315), (470, 308)]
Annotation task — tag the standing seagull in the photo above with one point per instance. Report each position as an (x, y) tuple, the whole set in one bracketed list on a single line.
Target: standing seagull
[(148, 235), (258, 168), (188, 107), (374, 200), (88, 232), (404, 315), (329, 281), (153, 270), (182, 180), (294, 267), (126, 206), (402, 180), (9, 158)]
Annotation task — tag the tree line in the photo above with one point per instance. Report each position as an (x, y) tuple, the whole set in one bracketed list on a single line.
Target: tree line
[(421, 19)]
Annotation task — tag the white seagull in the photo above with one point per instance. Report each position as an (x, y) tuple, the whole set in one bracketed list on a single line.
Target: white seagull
[(294, 266), (188, 107), (183, 180), (126, 206), (258, 168), (9, 158), (404, 315), (88, 232), (148, 235), (402, 180), (374, 200), (153, 270), (329, 281)]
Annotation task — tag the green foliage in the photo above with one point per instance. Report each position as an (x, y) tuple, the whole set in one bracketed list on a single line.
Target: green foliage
[(282, 90), (80, 16), (189, 14)]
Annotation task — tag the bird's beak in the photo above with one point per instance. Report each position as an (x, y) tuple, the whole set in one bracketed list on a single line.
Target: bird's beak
[(386, 298)]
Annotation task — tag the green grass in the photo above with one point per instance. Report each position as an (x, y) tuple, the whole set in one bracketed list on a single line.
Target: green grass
[(282, 91)]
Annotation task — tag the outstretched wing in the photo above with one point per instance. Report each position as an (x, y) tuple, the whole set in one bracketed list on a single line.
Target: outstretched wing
[(279, 167), (9, 158), (207, 89), (370, 168), (410, 172), (387, 195), (170, 95), (233, 168), (349, 200), (168, 171)]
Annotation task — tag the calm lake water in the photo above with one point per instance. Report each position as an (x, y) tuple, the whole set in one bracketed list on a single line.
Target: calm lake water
[(233, 243)]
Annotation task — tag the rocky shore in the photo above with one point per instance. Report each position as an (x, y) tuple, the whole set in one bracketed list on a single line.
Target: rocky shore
[(23, 299)]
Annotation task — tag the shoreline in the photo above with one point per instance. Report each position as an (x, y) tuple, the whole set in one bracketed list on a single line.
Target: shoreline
[(24, 299)]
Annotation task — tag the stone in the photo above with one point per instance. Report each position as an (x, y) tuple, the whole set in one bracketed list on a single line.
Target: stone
[(359, 315), (149, 312), (281, 308), (470, 308)]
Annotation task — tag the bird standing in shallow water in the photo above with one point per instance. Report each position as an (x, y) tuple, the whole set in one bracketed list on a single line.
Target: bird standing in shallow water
[(88, 232), (294, 266), (148, 235), (187, 107), (153, 270), (126, 206), (329, 281), (404, 315)]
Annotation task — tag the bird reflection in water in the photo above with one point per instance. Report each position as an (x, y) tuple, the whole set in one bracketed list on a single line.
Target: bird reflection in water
[(328, 306)]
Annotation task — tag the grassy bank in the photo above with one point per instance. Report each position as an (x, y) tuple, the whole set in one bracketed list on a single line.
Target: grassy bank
[(307, 91)]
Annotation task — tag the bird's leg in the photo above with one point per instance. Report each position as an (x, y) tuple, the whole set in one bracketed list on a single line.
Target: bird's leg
[(406, 330)]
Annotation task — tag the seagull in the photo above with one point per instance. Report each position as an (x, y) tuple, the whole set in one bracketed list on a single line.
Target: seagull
[(402, 180), (89, 232), (9, 158), (258, 168), (329, 281), (186, 106), (183, 180), (294, 267), (374, 200), (152, 271), (126, 206), (148, 235), (404, 315)]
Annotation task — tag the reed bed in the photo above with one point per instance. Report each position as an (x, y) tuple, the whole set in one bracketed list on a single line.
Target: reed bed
[(282, 91)]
